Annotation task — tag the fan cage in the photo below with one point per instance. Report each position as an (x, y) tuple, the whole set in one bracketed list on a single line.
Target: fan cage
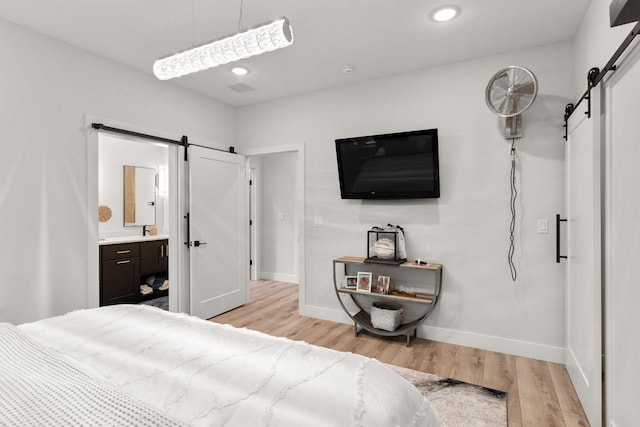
[(511, 91)]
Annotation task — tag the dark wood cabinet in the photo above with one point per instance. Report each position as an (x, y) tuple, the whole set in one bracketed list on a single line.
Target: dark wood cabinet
[(119, 273), (125, 267), (153, 257), (120, 281)]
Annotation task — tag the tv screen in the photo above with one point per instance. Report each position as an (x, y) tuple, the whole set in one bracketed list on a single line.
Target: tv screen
[(392, 166)]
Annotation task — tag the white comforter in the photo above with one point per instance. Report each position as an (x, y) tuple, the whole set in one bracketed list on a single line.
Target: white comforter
[(40, 387), (203, 373)]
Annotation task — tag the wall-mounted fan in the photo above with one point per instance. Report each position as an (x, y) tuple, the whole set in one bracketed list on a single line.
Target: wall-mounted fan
[(509, 93)]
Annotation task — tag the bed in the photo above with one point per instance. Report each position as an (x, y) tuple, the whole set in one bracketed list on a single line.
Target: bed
[(139, 365)]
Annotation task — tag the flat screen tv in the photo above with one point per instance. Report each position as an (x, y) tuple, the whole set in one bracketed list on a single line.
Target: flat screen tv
[(391, 166)]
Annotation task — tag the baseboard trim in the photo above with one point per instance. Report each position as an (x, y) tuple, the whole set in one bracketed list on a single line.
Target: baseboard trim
[(279, 277), (492, 343), (338, 316), (463, 338)]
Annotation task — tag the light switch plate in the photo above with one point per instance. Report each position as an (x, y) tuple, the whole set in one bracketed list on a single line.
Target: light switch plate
[(543, 226)]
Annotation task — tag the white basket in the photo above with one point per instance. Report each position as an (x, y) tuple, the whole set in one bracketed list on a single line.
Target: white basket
[(386, 315)]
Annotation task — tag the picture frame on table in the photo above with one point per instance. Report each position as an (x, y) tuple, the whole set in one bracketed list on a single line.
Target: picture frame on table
[(384, 283), (364, 282), (351, 282)]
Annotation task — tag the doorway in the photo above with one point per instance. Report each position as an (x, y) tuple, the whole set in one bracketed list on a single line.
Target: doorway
[(277, 214), (171, 211), (133, 195)]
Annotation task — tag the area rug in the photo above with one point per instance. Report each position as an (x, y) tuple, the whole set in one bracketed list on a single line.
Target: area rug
[(458, 403), (160, 302)]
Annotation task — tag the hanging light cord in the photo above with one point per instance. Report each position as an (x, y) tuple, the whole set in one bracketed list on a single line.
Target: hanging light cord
[(512, 226), (193, 21), (240, 16)]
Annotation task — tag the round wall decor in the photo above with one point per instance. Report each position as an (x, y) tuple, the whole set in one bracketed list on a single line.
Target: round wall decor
[(104, 213)]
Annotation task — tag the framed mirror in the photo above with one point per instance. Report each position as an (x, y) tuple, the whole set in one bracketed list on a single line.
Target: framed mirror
[(139, 196)]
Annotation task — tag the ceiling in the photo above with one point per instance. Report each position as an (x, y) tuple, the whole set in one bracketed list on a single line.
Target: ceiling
[(378, 37)]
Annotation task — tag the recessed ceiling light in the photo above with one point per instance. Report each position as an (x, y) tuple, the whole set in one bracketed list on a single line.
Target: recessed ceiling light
[(445, 13), (348, 69), (240, 71)]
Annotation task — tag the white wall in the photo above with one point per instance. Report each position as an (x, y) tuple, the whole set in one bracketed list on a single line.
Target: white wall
[(46, 89), (277, 219), (467, 228), (114, 153)]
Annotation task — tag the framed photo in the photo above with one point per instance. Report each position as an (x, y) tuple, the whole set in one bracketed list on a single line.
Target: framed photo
[(364, 282), (351, 282), (383, 284)]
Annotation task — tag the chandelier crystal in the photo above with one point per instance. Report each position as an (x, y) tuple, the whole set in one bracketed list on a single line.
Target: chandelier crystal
[(254, 41)]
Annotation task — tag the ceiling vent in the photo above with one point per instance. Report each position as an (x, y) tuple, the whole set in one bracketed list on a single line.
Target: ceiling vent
[(241, 87)]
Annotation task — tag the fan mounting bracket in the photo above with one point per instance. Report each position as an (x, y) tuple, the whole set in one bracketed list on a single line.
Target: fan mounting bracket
[(513, 127)]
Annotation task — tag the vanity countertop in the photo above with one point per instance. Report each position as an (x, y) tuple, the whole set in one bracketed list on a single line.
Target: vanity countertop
[(131, 239)]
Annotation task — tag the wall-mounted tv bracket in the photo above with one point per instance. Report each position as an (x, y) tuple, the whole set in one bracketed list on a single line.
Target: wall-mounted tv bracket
[(595, 76)]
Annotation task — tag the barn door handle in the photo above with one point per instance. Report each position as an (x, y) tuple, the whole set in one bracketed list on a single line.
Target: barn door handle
[(188, 229), (558, 220)]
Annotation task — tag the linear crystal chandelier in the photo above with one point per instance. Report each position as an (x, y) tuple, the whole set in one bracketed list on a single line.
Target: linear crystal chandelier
[(254, 41)]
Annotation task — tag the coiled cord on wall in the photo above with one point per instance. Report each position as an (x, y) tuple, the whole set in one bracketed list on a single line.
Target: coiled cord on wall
[(512, 226)]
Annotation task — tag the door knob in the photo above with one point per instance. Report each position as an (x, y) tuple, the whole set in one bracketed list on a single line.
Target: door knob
[(197, 243)]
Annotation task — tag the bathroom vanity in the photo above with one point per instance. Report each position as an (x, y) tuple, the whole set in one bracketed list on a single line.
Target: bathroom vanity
[(126, 263)]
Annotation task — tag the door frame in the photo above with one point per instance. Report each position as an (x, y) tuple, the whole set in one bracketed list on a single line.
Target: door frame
[(253, 178), (93, 250), (298, 149)]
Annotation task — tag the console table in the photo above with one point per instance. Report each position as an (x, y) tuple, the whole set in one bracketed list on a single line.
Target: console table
[(412, 290)]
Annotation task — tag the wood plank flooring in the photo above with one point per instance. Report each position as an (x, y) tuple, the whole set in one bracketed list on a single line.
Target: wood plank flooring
[(539, 393)]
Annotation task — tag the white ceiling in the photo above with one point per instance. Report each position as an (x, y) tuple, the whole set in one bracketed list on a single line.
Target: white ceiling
[(379, 37)]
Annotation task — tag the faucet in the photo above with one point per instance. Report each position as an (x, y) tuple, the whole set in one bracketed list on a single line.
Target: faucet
[(144, 230)]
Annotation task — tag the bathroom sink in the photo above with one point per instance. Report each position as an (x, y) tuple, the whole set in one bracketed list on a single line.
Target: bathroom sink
[(130, 239)]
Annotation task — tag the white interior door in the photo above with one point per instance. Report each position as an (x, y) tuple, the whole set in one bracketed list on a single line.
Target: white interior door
[(622, 247), (218, 231), (584, 284), (253, 223)]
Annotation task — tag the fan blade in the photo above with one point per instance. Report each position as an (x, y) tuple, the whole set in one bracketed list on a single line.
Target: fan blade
[(527, 88), (502, 81)]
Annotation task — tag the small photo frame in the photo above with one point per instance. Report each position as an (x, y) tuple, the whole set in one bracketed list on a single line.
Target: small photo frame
[(383, 284), (351, 282), (364, 282)]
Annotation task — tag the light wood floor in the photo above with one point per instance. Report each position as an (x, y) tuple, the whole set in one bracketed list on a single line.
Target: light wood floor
[(539, 393)]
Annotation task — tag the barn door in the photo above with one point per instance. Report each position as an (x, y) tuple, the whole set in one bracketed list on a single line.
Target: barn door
[(217, 232), (583, 280), (622, 243)]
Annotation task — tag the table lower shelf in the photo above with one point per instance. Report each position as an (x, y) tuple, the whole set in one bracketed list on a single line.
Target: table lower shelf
[(363, 320)]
